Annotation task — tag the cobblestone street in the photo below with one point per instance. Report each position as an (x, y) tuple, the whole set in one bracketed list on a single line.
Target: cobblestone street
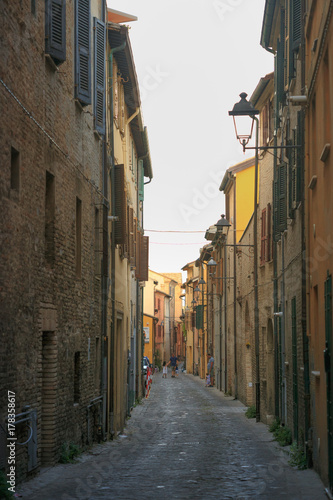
[(185, 441)]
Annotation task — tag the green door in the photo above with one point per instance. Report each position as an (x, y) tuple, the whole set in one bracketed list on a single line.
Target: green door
[(329, 374)]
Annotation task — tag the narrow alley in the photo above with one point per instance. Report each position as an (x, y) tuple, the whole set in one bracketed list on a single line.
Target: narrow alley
[(185, 441)]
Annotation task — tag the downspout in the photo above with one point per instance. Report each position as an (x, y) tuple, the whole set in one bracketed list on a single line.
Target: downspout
[(307, 406), (104, 284), (113, 246), (235, 271), (225, 326)]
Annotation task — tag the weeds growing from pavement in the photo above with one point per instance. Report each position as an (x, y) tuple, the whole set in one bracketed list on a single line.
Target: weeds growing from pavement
[(297, 457), (251, 412)]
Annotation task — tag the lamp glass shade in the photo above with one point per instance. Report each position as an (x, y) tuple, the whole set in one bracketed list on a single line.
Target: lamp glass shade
[(222, 225), (211, 263)]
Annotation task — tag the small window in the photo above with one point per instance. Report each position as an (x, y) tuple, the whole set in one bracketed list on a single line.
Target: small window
[(33, 7), (15, 170)]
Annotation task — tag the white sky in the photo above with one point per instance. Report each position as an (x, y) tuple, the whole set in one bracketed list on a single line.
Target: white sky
[(193, 58)]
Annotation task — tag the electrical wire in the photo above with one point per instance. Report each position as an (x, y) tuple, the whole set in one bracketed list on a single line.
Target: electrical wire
[(171, 231)]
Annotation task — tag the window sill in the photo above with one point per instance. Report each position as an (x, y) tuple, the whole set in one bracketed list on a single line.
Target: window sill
[(78, 105), (98, 135), (51, 62)]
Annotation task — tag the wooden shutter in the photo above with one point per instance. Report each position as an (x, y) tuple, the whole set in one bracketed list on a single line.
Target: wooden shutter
[(279, 73), (282, 197), (99, 75), (269, 233), (55, 30), (275, 209), (296, 24), (82, 52), (131, 237), (286, 47), (199, 317), (144, 254), (140, 180), (263, 237), (120, 205)]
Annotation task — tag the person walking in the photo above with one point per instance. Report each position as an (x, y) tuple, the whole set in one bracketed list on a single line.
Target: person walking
[(210, 369), (165, 370), (174, 363)]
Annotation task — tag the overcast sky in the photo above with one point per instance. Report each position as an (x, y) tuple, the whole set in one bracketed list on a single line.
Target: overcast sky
[(193, 58)]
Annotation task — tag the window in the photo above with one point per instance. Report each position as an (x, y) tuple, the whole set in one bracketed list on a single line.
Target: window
[(99, 75), (82, 52), (263, 237), (78, 237), (15, 170), (269, 248), (121, 206), (55, 29), (49, 218)]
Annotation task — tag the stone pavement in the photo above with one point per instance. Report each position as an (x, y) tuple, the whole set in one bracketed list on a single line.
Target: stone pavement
[(186, 441)]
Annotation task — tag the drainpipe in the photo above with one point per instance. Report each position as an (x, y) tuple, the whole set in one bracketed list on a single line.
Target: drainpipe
[(113, 246), (304, 279), (225, 325), (235, 271), (283, 340), (104, 284)]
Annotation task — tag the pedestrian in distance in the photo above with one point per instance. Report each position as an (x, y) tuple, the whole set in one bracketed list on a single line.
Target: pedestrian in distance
[(165, 370), (210, 369), (207, 380), (174, 363)]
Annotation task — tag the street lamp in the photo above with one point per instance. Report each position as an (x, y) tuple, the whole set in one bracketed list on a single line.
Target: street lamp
[(241, 110)]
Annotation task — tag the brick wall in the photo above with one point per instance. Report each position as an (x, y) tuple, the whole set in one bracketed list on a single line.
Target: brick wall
[(49, 310)]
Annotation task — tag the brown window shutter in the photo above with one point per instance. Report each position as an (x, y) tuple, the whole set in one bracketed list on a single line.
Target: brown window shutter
[(131, 237), (134, 241), (120, 205), (269, 231), (263, 237)]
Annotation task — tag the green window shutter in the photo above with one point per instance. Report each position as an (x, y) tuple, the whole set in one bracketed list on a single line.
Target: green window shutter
[(141, 180), (279, 85), (120, 205), (82, 52), (276, 234), (199, 317), (282, 197), (55, 29), (296, 23), (99, 75)]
